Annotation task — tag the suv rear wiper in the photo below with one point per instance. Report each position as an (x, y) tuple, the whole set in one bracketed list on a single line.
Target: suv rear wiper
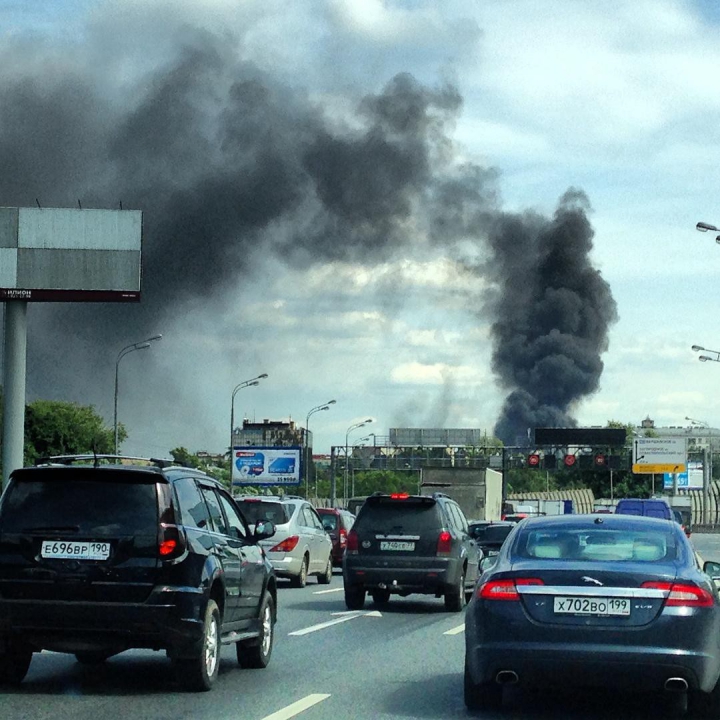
[(52, 528)]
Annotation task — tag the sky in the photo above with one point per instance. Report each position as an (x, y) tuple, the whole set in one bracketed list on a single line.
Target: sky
[(369, 202)]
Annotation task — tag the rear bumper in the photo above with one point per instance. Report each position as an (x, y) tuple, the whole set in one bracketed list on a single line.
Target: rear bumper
[(285, 565), (427, 576), (170, 618), (601, 666)]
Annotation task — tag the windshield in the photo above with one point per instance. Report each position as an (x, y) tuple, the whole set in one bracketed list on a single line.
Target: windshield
[(400, 515)]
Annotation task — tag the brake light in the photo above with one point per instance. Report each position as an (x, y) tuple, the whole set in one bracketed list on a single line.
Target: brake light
[(399, 496), (343, 537), (444, 543), (287, 545), (505, 589), (682, 594), (352, 543), (171, 542)]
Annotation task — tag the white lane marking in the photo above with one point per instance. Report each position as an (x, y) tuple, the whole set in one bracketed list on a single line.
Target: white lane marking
[(297, 707), (456, 630), (324, 592), (329, 623)]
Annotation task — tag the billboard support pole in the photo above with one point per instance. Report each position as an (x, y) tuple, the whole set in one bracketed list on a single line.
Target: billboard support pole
[(333, 480), (15, 365), (707, 477)]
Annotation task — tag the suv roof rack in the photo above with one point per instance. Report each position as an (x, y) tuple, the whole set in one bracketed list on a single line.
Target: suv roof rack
[(72, 459)]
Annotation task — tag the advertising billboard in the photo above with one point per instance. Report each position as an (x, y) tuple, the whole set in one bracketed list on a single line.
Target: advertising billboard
[(692, 479), (259, 466)]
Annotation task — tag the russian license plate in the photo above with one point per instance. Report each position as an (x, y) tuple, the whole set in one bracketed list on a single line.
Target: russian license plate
[(591, 606), (74, 550), (396, 545)]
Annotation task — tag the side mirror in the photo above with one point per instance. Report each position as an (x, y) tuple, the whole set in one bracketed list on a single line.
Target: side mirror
[(488, 562), (712, 569), (264, 529)]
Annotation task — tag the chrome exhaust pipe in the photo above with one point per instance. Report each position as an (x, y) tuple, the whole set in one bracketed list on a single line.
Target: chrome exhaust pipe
[(506, 677), (676, 684)]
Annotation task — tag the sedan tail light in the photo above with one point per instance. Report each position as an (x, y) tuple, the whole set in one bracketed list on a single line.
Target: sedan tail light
[(683, 594), (352, 543), (505, 589), (287, 545)]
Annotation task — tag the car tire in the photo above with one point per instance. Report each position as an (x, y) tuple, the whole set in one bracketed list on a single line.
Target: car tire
[(380, 597), (455, 596), (486, 696), (14, 665), (704, 705), (93, 657), (300, 580), (326, 577), (355, 597), (256, 653), (200, 672)]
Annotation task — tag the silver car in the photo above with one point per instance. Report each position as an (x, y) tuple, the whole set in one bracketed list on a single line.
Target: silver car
[(300, 545)]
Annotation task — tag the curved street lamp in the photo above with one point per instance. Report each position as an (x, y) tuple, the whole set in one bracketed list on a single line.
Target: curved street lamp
[(245, 383), (704, 227), (347, 434), (705, 358), (312, 411), (699, 423), (141, 345)]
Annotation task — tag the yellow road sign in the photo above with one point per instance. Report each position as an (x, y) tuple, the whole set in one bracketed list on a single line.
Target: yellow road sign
[(652, 469)]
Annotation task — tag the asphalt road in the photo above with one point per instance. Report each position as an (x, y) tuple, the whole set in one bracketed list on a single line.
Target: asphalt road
[(403, 661)]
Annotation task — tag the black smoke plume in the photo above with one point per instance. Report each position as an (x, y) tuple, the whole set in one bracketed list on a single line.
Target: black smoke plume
[(229, 164)]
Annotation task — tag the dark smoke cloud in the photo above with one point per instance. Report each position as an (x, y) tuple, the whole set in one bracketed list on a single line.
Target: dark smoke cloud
[(228, 163), (553, 311)]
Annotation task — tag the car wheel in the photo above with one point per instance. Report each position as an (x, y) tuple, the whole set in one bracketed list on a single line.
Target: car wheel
[(301, 579), (14, 664), (200, 672), (93, 657), (486, 696), (355, 597), (380, 597), (455, 596), (326, 577), (704, 705), (256, 654)]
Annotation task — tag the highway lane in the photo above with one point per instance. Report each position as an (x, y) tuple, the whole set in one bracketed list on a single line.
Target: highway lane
[(403, 660)]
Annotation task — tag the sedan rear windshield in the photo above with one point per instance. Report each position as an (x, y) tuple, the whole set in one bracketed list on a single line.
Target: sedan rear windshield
[(80, 507), (255, 510), (398, 516), (597, 545)]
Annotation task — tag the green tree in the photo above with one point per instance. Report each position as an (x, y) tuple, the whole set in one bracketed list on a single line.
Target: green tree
[(54, 427)]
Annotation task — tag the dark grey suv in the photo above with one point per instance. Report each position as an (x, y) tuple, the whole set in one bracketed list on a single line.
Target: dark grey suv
[(402, 544), (99, 558)]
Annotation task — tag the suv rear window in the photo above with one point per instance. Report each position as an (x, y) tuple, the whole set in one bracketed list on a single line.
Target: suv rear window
[(329, 521), (496, 533), (400, 515), (254, 510), (95, 508)]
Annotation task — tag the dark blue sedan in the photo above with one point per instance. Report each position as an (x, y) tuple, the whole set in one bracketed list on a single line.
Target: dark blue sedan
[(608, 601)]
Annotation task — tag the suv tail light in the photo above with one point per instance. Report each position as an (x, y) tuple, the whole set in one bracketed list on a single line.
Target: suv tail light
[(287, 545), (343, 537), (444, 543), (352, 543), (171, 542), (505, 589), (682, 594)]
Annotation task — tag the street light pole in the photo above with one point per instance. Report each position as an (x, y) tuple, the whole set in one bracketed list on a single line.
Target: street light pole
[(345, 474), (317, 408), (705, 358), (245, 383), (141, 345), (704, 227)]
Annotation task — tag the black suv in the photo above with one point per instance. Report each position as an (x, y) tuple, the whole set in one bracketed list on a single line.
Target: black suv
[(403, 544), (99, 558)]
